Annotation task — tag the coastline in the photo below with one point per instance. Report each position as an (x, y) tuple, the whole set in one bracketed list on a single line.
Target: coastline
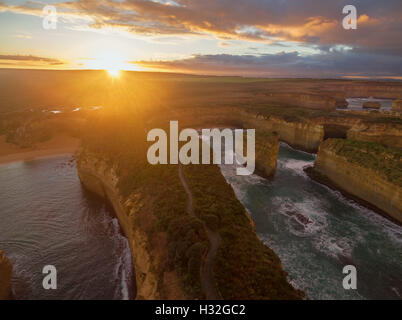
[(57, 146), (317, 177)]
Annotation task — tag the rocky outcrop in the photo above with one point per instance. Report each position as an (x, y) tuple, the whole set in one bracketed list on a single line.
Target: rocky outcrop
[(397, 105), (6, 271), (136, 212), (299, 128), (304, 135), (367, 172), (99, 177), (387, 134), (266, 154), (371, 105)]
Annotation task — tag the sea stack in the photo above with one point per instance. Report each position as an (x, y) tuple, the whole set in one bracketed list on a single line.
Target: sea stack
[(266, 153), (6, 271)]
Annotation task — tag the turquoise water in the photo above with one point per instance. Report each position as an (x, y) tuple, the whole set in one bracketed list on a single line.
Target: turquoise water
[(46, 218), (316, 232)]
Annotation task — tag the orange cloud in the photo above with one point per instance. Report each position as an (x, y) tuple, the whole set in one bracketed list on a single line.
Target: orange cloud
[(251, 20), (29, 61)]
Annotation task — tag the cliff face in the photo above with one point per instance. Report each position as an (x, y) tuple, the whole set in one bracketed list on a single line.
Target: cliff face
[(359, 180), (100, 177), (388, 135), (304, 132), (158, 255), (6, 271), (266, 154), (306, 135)]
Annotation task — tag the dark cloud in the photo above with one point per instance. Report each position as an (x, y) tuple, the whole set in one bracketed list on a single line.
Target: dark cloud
[(9, 59), (375, 47), (306, 21), (335, 63)]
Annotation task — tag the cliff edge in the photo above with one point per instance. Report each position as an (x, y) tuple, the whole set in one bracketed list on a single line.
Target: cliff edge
[(169, 246), (368, 172)]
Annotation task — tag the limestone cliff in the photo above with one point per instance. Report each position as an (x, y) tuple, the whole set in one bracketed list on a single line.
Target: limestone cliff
[(304, 135), (100, 177), (163, 234), (6, 271), (366, 171), (307, 134), (387, 134), (301, 129), (266, 154)]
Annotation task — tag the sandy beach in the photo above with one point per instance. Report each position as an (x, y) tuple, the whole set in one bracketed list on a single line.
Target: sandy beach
[(58, 145)]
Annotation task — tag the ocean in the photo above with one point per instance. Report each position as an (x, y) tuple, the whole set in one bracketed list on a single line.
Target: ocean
[(47, 218)]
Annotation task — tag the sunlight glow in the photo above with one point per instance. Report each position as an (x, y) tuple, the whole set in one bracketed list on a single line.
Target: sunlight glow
[(110, 61), (113, 71)]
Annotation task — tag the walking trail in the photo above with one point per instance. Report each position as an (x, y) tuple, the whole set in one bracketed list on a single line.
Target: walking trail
[(207, 277)]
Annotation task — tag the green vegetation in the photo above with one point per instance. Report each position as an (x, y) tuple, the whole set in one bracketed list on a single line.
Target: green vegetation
[(385, 161), (122, 141), (244, 267)]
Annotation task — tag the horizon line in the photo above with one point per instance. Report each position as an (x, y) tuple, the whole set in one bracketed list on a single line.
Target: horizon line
[(340, 78)]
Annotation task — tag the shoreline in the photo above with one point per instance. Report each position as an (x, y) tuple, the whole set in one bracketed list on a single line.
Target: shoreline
[(317, 177), (57, 146)]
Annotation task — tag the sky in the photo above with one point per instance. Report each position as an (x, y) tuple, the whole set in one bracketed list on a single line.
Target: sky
[(267, 38)]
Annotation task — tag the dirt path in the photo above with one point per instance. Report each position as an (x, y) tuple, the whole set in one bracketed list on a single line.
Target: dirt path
[(207, 276)]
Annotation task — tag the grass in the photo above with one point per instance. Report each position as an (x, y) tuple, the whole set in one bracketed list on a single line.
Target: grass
[(385, 161), (244, 267)]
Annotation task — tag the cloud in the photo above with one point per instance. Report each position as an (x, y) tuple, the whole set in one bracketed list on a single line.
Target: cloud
[(334, 63), (29, 60), (22, 36), (304, 21), (374, 49)]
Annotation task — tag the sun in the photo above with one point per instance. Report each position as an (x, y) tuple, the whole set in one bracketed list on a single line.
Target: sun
[(112, 64), (114, 71), (111, 61)]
